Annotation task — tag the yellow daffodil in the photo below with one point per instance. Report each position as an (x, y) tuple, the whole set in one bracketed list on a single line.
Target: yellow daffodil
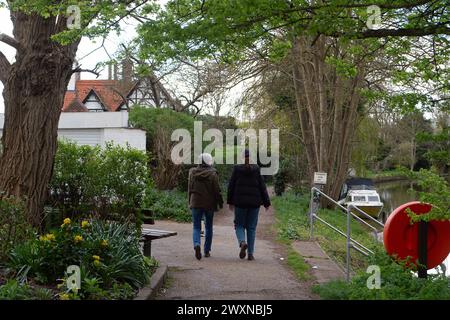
[(47, 237), (84, 224), (64, 296), (50, 237), (78, 239), (96, 263), (66, 222), (104, 243), (95, 257)]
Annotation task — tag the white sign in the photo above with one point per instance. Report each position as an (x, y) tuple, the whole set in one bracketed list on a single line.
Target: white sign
[(320, 178)]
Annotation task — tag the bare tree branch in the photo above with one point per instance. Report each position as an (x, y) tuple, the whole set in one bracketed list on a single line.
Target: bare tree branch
[(93, 71), (4, 67), (410, 32), (9, 41)]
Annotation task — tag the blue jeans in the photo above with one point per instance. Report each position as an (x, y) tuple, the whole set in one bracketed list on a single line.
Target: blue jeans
[(197, 215), (246, 219)]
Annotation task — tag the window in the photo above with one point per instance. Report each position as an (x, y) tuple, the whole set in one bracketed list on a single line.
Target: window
[(373, 198), (359, 198), (93, 104)]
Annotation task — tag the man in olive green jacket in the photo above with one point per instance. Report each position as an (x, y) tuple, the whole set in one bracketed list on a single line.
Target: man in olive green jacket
[(204, 198)]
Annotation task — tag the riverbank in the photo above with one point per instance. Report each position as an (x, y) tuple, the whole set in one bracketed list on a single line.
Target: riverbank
[(382, 179), (398, 282), (293, 224), (386, 176)]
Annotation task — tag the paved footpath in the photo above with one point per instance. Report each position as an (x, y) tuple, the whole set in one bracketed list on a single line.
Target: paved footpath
[(224, 275)]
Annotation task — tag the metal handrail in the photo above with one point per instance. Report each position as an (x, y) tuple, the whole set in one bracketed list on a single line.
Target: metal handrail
[(354, 215), (364, 249), (351, 243)]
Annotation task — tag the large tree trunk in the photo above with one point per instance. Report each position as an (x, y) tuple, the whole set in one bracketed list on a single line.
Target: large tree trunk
[(33, 93), (327, 106)]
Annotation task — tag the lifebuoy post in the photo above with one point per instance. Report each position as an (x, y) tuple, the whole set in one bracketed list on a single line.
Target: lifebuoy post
[(423, 249)]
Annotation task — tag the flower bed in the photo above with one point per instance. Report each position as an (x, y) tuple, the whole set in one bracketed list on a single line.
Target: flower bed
[(111, 265)]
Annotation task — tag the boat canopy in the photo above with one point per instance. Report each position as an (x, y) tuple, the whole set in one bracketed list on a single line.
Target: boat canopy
[(356, 184), (360, 184)]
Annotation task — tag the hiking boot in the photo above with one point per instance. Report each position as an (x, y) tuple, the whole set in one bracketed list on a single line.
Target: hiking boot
[(251, 257), (207, 254), (243, 251), (198, 253)]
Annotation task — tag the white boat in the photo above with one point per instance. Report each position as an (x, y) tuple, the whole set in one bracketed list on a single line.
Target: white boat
[(361, 193)]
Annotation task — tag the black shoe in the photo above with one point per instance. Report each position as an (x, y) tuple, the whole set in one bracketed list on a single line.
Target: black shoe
[(207, 254), (198, 253), (243, 252), (251, 257)]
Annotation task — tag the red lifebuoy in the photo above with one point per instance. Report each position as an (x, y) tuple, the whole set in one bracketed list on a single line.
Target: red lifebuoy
[(401, 237)]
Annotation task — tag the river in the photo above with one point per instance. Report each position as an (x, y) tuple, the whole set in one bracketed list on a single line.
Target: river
[(395, 193)]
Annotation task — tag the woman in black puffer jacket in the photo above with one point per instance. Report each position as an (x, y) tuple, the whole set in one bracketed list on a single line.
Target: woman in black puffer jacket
[(246, 193)]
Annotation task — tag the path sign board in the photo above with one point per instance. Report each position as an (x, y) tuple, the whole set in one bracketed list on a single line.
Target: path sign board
[(320, 178)]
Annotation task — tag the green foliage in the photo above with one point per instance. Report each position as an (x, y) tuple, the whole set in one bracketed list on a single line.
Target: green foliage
[(439, 148), (298, 264), (160, 125), (14, 290), (183, 177), (15, 226), (434, 190), (150, 119), (397, 283), (280, 178), (96, 18), (108, 183), (107, 251), (166, 204)]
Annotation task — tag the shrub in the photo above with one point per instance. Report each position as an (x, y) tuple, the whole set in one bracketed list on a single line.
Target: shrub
[(14, 290), (168, 205), (107, 251), (108, 183), (15, 227), (159, 125), (183, 177)]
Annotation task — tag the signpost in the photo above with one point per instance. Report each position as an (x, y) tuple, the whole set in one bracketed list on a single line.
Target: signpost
[(320, 178)]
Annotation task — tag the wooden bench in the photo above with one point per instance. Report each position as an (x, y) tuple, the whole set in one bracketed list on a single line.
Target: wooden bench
[(148, 235)]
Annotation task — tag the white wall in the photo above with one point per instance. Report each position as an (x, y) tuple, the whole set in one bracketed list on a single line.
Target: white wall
[(134, 137), (97, 128)]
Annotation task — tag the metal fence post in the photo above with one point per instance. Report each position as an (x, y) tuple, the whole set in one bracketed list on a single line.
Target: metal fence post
[(347, 276)]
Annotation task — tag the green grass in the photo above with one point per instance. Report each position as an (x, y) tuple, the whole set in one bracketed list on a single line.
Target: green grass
[(293, 224), (298, 265), (397, 282)]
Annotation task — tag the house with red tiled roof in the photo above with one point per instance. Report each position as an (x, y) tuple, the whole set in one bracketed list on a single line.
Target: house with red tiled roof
[(84, 120), (111, 95)]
